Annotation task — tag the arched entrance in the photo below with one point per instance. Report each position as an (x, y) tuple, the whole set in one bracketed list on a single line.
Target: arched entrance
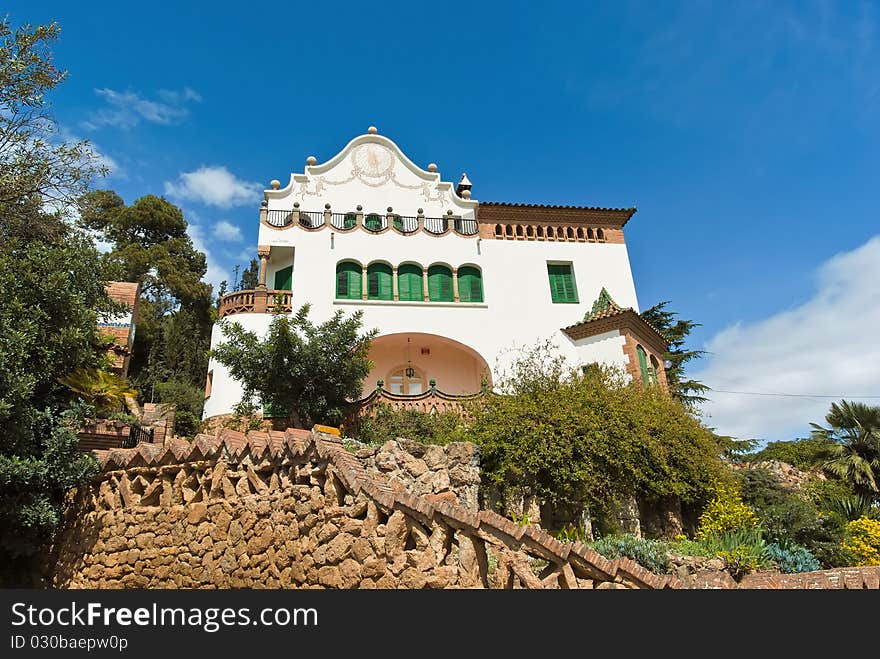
[(407, 362)]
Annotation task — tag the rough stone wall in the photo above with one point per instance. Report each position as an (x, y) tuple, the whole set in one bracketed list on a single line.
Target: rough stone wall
[(295, 509), (450, 472)]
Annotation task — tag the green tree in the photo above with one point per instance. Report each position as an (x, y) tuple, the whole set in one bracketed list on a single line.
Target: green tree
[(51, 291), (577, 439), (102, 390), (36, 165), (854, 444), (151, 246), (688, 391), (250, 277), (300, 370)]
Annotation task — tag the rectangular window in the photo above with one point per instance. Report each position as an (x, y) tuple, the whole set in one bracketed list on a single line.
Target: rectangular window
[(562, 286)]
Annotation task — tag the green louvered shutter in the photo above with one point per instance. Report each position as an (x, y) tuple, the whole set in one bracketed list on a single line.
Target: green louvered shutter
[(643, 365), (439, 284), (284, 279), (470, 285), (409, 283), (348, 281), (562, 288), (349, 221), (373, 222), (379, 284)]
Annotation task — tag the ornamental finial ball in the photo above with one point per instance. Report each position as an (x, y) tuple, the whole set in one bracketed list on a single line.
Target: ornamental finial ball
[(432, 167), (359, 207), (311, 160), (274, 184), (465, 194), (327, 206), (372, 130)]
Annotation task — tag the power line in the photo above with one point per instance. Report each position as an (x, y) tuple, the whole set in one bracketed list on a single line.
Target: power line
[(759, 393)]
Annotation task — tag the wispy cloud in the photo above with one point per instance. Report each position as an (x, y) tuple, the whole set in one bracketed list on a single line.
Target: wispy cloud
[(127, 109), (227, 231), (824, 347), (216, 273), (214, 186)]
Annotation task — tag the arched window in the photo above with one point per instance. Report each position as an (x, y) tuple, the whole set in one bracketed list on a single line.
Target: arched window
[(519, 231), (643, 365), (348, 280), (470, 284), (569, 233), (409, 283), (530, 232), (401, 383), (379, 286), (540, 232), (590, 234), (349, 221), (440, 284), (580, 233), (498, 231), (600, 235)]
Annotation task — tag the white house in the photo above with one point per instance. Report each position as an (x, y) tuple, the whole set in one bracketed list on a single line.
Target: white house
[(452, 284)]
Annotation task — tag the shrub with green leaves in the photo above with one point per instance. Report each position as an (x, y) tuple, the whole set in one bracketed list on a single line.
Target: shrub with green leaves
[(653, 554), (792, 558), (743, 550), (421, 427), (726, 514), (802, 453)]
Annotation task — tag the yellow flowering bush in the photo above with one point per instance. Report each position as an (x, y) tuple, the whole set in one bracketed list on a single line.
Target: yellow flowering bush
[(863, 540), (726, 513)]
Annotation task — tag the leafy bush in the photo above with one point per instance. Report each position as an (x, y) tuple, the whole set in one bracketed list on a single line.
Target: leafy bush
[(792, 558), (726, 514), (653, 554), (863, 541), (418, 426), (685, 547), (802, 453), (189, 400)]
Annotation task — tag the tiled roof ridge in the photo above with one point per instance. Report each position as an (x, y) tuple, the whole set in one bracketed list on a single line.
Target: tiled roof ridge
[(558, 206), (293, 442), (604, 306)]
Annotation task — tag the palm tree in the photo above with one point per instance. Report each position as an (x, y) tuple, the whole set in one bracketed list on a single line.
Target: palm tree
[(103, 390), (854, 454)]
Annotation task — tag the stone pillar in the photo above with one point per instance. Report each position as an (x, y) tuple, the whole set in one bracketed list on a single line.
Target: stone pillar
[(425, 283), (263, 253), (264, 212), (394, 282), (363, 282), (455, 284)]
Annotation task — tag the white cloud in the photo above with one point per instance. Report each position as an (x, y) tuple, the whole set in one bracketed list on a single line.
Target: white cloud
[(226, 230), (215, 273), (127, 109), (825, 347), (214, 186)]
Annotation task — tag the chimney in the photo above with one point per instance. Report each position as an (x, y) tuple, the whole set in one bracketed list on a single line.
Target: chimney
[(463, 184)]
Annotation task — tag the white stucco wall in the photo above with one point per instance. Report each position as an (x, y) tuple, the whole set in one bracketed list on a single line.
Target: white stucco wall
[(517, 310)]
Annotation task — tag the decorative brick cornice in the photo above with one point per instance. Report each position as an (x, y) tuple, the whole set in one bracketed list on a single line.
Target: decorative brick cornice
[(491, 211), (626, 319)]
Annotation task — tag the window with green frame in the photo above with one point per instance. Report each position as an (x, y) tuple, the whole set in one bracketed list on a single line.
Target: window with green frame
[(470, 284), (348, 280), (373, 222), (349, 221), (379, 286), (284, 279), (410, 285), (562, 286), (440, 284)]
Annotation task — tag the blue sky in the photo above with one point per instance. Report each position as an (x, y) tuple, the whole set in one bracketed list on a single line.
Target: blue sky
[(746, 134)]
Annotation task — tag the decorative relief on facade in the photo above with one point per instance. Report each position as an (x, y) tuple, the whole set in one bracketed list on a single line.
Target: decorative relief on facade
[(372, 165)]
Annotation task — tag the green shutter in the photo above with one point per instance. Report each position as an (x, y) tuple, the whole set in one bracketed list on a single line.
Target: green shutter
[(348, 281), (643, 365), (409, 283), (349, 221), (398, 223), (379, 282), (440, 284), (284, 279), (562, 287), (470, 285)]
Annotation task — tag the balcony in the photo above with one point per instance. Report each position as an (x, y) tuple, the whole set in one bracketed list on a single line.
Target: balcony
[(372, 222), (255, 301)]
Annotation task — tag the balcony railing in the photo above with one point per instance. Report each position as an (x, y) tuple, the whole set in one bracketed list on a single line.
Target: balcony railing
[(255, 301), (373, 222), (432, 401)]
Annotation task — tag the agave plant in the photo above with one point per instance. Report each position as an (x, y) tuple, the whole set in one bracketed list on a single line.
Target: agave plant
[(854, 455), (103, 390)]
